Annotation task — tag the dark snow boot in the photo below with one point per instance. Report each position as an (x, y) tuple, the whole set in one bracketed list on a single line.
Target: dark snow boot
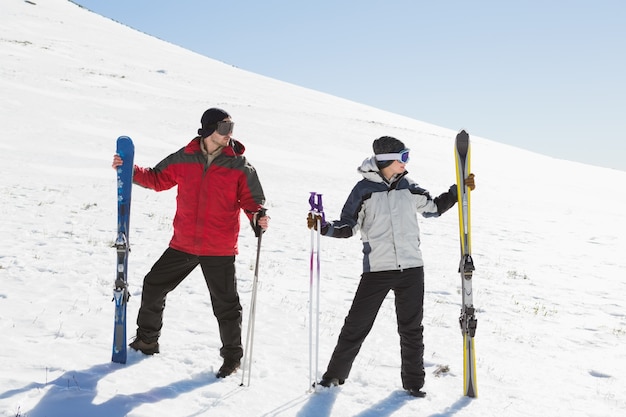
[(145, 348), (416, 392), (331, 382), (228, 367)]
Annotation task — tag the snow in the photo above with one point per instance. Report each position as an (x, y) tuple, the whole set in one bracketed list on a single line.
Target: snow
[(548, 242)]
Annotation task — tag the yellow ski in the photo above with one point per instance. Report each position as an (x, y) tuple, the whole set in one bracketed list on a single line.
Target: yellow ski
[(467, 319)]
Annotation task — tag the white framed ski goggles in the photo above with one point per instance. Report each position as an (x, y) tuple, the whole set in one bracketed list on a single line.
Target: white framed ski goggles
[(402, 156), (224, 128)]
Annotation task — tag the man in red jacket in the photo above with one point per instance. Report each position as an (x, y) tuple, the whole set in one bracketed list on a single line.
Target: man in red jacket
[(215, 182)]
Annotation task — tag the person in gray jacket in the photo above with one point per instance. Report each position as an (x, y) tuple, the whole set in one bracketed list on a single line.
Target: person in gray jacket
[(383, 206)]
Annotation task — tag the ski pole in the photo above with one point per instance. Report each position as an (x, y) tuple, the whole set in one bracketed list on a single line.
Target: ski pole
[(311, 380), (315, 202), (317, 284), (317, 302), (247, 357)]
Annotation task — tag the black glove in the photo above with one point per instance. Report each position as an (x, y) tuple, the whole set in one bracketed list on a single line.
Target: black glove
[(258, 230)]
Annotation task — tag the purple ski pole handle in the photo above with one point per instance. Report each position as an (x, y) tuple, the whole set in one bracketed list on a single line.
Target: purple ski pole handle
[(315, 201), (312, 201), (320, 209)]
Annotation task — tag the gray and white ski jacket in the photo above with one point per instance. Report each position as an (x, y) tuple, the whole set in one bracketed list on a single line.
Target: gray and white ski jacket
[(386, 214)]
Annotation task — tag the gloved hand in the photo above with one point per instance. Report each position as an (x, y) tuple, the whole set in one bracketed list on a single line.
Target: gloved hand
[(311, 221), (469, 182), (260, 222)]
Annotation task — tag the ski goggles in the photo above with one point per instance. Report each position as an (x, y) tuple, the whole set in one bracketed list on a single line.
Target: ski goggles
[(224, 128), (402, 156)]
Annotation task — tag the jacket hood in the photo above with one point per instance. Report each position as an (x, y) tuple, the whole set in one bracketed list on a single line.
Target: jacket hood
[(369, 170)]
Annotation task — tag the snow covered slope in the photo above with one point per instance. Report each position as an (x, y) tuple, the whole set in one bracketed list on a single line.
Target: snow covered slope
[(548, 241)]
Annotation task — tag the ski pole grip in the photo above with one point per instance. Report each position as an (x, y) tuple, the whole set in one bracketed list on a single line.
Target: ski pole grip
[(320, 207), (258, 231), (312, 200), (315, 201)]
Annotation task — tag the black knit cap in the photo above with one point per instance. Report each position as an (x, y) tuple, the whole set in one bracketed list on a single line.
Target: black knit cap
[(209, 121), (387, 144)]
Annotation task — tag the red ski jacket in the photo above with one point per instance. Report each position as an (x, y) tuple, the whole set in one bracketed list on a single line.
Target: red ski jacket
[(210, 197)]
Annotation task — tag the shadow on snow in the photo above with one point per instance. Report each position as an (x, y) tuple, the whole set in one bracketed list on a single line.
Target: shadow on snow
[(319, 404), (387, 406), (460, 404), (73, 394)]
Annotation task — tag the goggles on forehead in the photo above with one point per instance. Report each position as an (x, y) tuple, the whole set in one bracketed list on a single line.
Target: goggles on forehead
[(224, 128), (402, 156)]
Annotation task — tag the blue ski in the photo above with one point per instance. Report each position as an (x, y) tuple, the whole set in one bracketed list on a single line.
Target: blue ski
[(126, 150)]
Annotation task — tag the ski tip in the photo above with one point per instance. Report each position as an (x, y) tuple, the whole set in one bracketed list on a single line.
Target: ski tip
[(125, 147), (125, 142)]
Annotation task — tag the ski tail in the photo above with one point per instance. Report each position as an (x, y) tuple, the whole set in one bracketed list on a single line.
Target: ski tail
[(126, 150), (467, 320), (470, 388)]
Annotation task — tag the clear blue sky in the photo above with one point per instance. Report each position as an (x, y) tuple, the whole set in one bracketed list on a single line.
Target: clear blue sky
[(544, 75)]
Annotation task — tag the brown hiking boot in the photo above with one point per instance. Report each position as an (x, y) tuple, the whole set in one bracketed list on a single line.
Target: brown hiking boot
[(145, 348)]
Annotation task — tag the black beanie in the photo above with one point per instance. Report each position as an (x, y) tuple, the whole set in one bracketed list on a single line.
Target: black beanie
[(387, 144), (209, 121)]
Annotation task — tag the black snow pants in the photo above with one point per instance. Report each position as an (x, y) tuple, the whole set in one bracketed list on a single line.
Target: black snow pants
[(408, 287), (219, 274)]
